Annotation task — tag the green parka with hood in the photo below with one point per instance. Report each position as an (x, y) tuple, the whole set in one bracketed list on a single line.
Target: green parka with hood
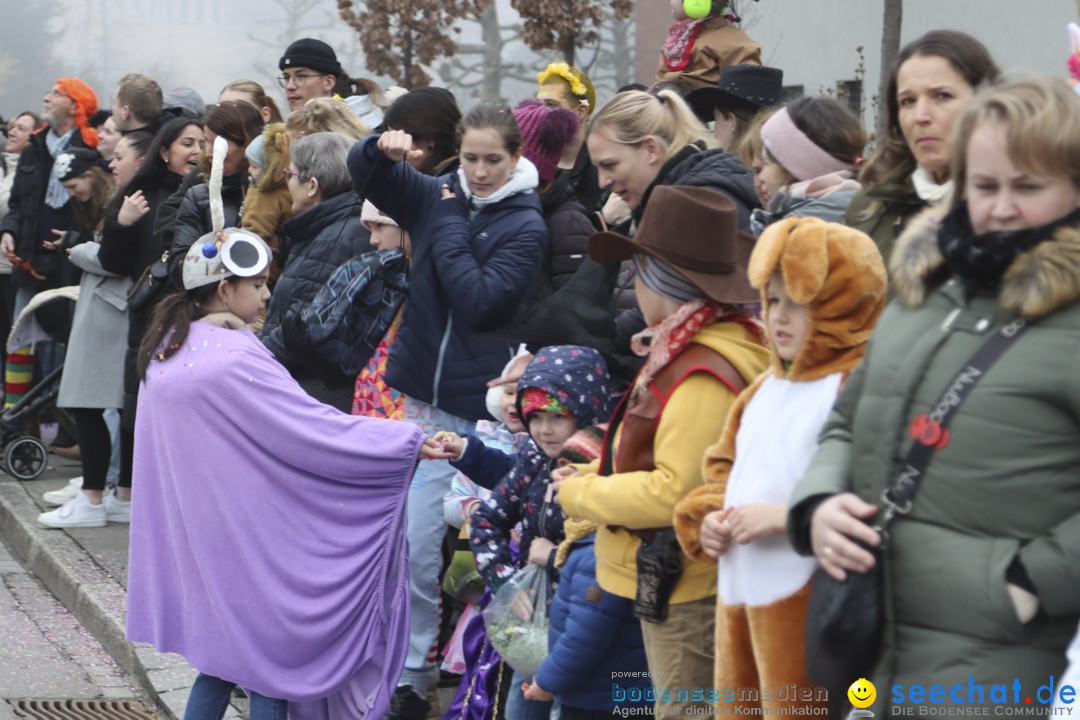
[(1003, 495)]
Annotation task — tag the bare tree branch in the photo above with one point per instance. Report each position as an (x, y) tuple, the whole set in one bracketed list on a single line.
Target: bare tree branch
[(401, 37)]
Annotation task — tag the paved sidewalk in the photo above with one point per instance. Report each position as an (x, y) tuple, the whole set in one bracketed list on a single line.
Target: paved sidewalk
[(86, 569)]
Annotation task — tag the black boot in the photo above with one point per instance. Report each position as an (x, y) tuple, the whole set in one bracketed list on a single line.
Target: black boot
[(407, 704)]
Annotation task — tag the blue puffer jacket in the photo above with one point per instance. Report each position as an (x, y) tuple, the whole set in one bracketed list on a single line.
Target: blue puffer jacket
[(595, 647), (578, 378), (320, 239), (461, 284)]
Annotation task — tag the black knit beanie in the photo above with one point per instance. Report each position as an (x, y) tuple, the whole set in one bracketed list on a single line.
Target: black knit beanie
[(313, 54)]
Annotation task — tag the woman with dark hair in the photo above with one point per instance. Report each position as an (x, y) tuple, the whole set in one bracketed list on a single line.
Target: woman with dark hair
[(431, 116), (463, 283), (930, 84), (238, 123), (128, 246), (92, 380)]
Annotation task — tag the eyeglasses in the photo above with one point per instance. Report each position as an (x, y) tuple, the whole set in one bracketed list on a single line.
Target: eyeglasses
[(298, 78), (290, 174)]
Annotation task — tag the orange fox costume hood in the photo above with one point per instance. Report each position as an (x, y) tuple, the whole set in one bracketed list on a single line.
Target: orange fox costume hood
[(839, 273)]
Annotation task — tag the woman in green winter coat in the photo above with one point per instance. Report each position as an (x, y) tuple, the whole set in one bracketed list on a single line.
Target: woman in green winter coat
[(931, 83), (980, 576)]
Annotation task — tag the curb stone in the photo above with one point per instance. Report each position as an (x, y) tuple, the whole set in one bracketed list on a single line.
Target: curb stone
[(96, 599)]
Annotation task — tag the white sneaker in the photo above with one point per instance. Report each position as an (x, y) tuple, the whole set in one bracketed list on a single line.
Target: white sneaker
[(61, 496), (116, 510), (79, 512)]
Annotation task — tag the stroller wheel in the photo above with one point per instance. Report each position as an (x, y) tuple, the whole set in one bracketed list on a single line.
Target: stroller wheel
[(25, 458)]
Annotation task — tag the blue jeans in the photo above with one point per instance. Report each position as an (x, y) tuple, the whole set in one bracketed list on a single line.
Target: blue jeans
[(518, 708), (209, 699), (426, 528)]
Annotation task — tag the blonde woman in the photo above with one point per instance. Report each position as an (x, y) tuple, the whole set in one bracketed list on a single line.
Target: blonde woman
[(326, 115), (640, 141)]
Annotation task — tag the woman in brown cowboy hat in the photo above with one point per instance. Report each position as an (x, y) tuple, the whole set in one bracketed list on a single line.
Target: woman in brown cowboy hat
[(703, 344)]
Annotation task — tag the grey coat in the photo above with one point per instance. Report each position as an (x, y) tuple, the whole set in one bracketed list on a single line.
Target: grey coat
[(94, 369)]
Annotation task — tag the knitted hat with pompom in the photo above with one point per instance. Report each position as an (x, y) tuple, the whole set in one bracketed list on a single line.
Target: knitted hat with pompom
[(545, 133)]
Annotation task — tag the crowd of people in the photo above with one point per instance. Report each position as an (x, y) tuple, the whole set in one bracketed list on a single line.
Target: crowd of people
[(692, 354)]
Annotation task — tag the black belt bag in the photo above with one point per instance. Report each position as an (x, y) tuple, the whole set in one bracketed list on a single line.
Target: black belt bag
[(659, 567)]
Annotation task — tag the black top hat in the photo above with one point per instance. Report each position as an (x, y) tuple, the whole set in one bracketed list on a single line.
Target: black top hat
[(746, 87)]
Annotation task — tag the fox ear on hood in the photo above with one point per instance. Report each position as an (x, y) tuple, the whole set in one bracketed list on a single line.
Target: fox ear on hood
[(768, 250), (796, 247), (806, 261)]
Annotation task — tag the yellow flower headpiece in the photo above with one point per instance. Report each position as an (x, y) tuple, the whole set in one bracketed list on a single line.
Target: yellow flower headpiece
[(580, 86)]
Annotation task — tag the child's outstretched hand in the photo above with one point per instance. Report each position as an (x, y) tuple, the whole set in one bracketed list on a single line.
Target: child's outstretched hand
[(398, 145), (716, 533), (443, 446), (751, 522)]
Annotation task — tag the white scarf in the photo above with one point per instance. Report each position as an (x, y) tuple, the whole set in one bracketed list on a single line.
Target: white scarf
[(927, 188), (523, 178)]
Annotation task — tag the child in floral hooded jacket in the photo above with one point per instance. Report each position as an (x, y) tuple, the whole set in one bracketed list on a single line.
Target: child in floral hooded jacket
[(564, 388)]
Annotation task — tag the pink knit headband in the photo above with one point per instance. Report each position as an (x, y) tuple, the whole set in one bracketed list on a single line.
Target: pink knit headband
[(796, 152)]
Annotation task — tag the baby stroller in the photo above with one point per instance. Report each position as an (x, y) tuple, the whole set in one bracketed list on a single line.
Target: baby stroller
[(47, 317)]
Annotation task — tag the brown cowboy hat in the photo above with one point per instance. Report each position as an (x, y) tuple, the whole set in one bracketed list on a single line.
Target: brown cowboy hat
[(693, 229)]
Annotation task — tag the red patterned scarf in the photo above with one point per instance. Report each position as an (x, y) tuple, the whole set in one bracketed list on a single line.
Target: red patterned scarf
[(680, 39), (670, 336)]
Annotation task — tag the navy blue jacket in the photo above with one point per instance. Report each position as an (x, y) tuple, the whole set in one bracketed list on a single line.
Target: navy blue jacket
[(578, 378), (594, 640), (462, 284)]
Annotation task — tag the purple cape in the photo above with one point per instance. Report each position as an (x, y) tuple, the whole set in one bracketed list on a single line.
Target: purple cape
[(268, 530)]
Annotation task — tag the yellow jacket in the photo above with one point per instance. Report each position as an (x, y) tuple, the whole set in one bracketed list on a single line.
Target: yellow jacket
[(691, 421)]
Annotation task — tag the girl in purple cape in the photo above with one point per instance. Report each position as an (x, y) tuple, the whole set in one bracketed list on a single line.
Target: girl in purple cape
[(268, 535)]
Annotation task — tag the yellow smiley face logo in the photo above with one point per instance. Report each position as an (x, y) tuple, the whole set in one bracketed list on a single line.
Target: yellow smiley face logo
[(862, 693)]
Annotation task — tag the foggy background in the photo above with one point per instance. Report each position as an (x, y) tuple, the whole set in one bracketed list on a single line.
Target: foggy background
[(207, 43)]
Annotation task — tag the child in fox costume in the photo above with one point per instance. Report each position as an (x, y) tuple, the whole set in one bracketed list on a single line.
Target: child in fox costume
[(822, 289), (268, 205)]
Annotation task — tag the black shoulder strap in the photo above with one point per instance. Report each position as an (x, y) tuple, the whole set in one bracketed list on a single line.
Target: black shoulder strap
[(931, 429)]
